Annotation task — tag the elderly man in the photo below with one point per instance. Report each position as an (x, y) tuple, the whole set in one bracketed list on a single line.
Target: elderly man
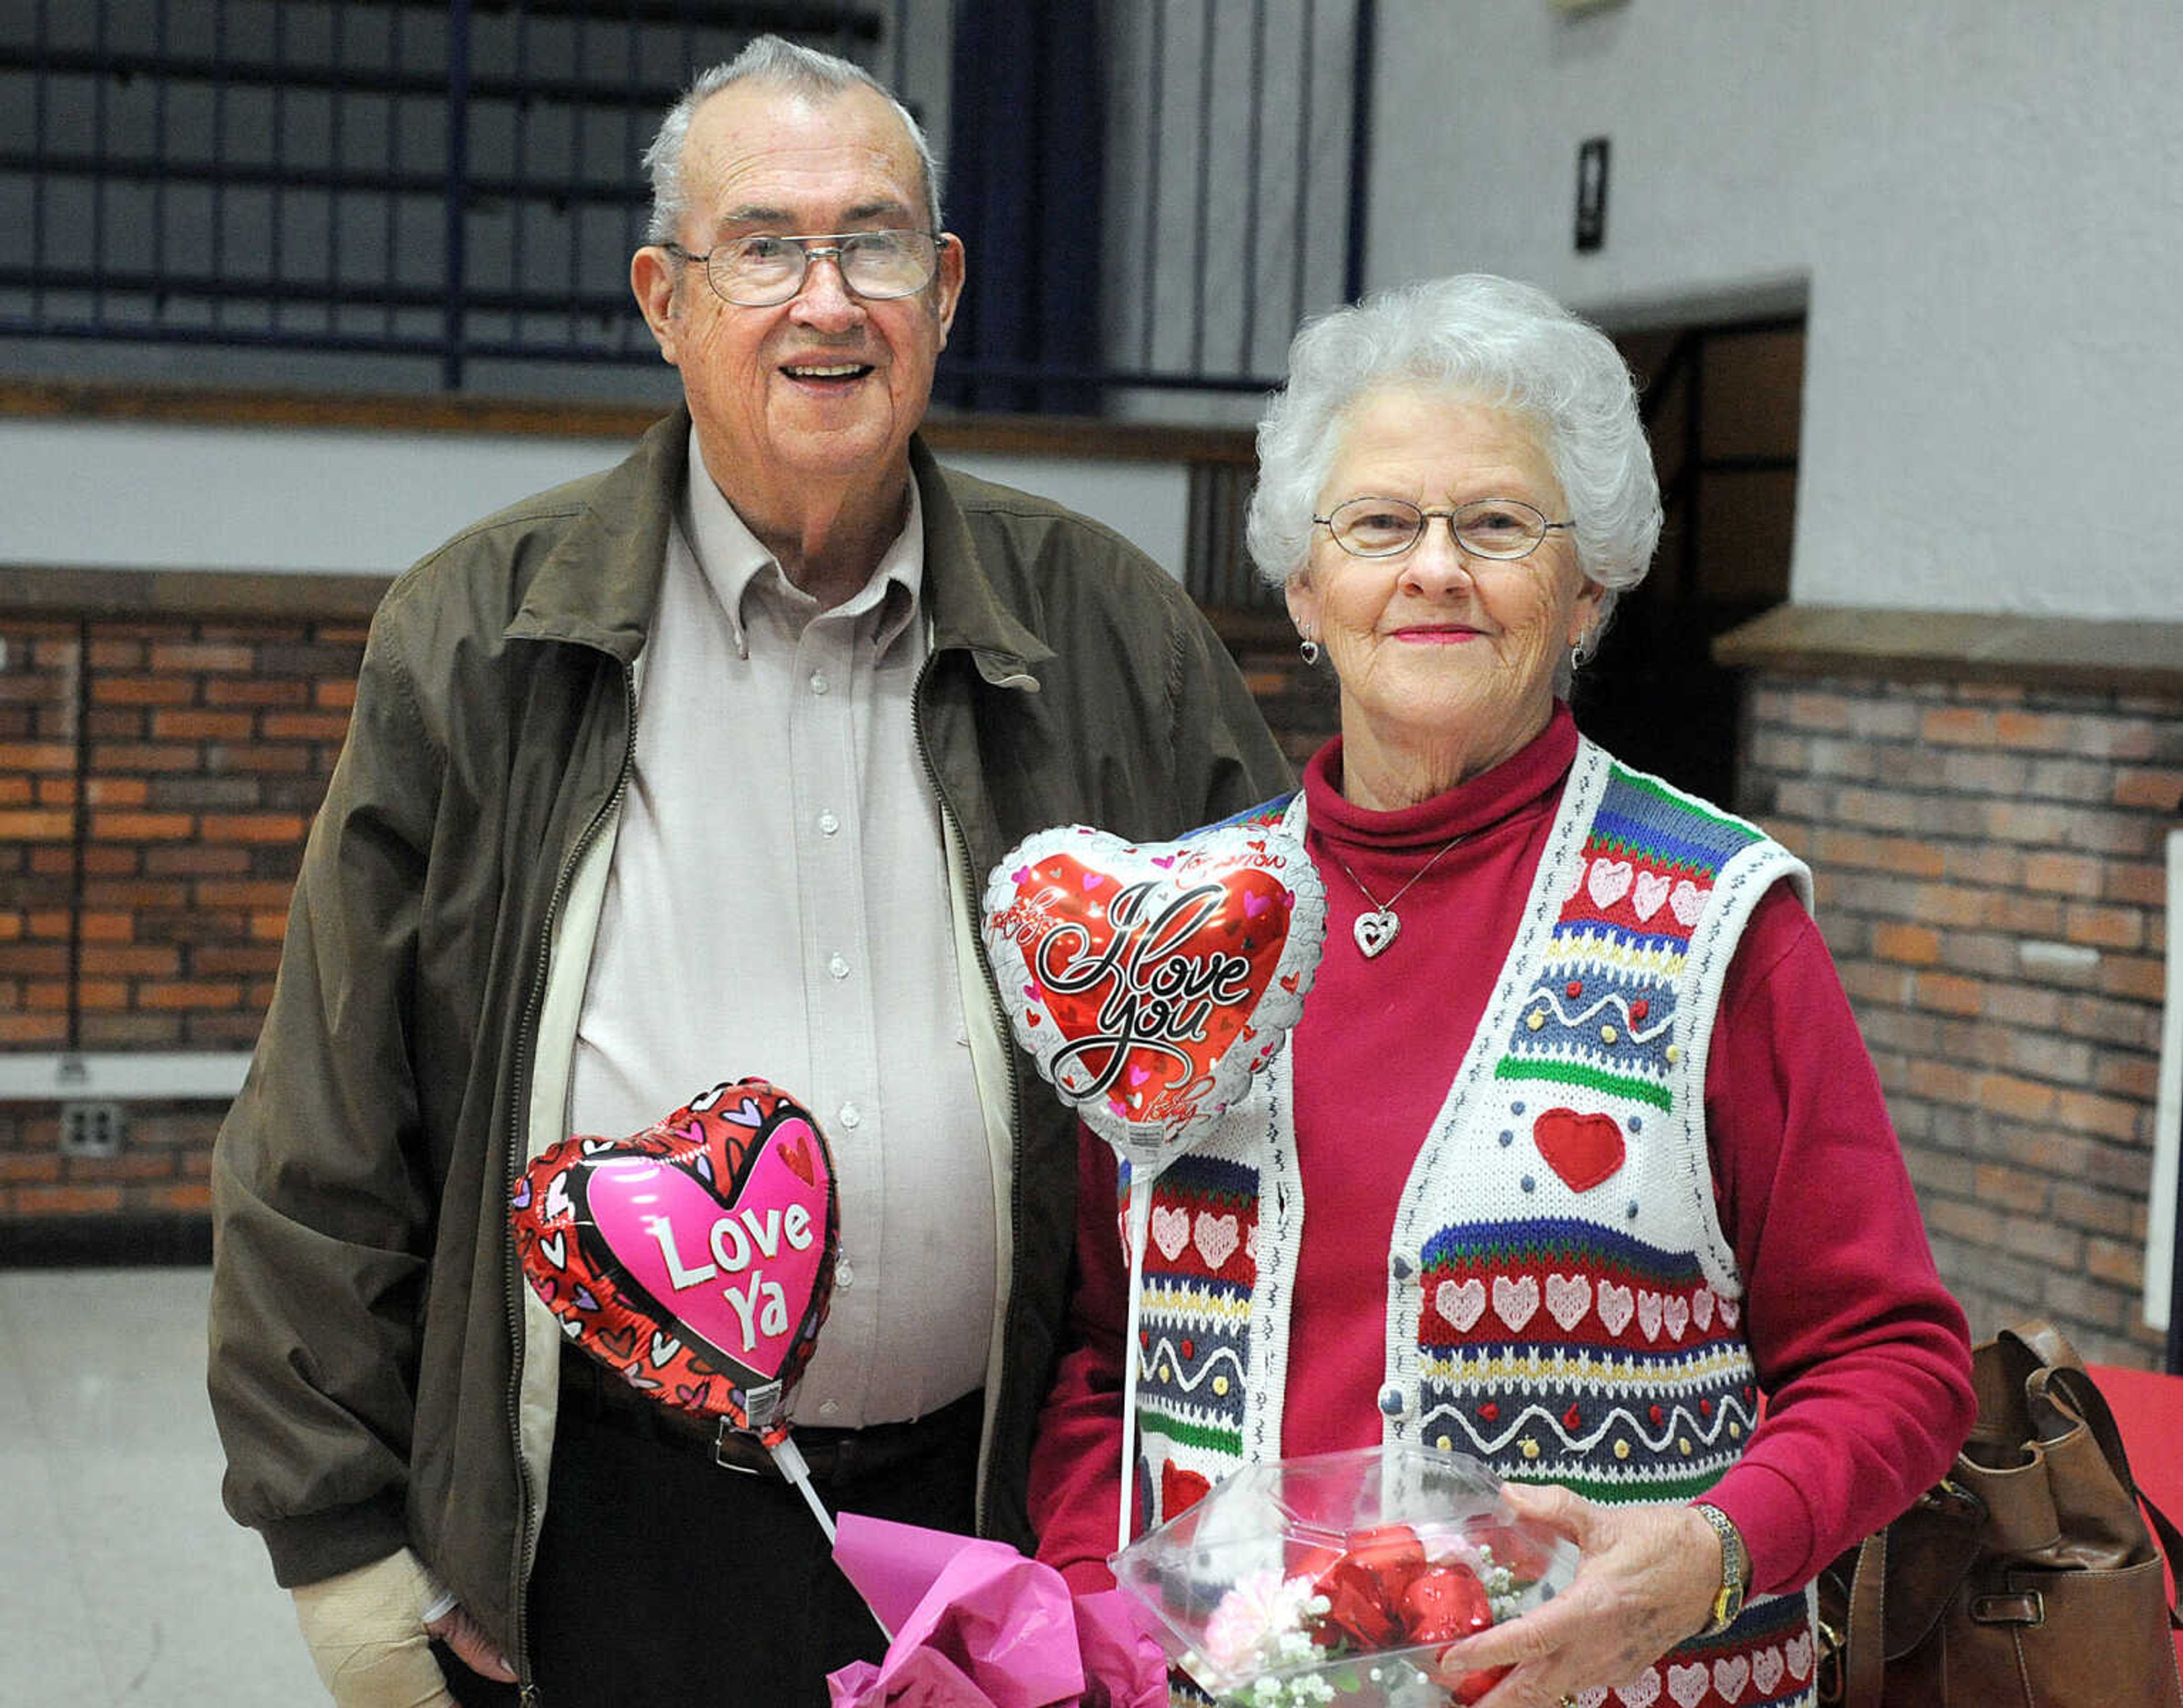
[(691, 770)]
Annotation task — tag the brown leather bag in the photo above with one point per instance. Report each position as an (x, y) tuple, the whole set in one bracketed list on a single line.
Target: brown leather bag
[(2027, 1576)]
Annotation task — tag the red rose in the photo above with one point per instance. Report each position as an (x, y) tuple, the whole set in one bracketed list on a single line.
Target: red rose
[(1357, 1616), (1443, 1603), (1376, 1603), (1473, 1685), (1393, 1555)]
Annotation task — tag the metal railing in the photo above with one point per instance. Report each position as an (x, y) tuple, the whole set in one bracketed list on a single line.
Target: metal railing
[(457, 180), (387, 179)]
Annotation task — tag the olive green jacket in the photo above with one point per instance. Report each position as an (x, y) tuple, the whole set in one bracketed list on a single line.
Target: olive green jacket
[(368, 1320)]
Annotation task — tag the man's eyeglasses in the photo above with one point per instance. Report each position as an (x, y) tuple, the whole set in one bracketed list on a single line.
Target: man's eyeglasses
[(763, 269), (1497, 528)]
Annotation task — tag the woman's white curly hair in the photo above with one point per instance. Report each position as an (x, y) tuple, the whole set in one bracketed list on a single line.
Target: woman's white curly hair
[(1489, 340)]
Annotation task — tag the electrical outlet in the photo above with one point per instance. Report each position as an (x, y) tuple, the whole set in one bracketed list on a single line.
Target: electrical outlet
[(94, 1129)]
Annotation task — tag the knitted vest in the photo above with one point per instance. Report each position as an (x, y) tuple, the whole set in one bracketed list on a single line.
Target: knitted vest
[(1562, 1301)]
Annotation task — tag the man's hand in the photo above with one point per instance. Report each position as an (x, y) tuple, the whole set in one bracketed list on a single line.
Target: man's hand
[(1646, 1580), (369, 1633)]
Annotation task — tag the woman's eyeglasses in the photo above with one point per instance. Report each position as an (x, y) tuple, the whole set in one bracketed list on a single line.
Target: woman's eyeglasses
[(1497, 528)]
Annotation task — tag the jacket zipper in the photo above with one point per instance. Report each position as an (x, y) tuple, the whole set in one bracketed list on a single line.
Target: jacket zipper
[(974, 890), (526, 1039)]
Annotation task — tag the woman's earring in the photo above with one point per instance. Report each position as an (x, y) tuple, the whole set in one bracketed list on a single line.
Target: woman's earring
[(1578, 658), (1309, 649)]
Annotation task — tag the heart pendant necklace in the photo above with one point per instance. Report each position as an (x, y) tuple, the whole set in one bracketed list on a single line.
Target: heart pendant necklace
[(1376, 930)]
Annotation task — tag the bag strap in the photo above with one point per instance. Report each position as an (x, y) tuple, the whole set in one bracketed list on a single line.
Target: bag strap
[(2084, 1395), (2043, 1343), (1864, 1660)]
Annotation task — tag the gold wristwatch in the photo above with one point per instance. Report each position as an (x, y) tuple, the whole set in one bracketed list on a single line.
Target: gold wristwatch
[(1735, 1568)]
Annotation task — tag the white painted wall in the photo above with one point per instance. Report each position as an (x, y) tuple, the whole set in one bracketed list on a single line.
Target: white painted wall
[(127, 496), (1982, 198)]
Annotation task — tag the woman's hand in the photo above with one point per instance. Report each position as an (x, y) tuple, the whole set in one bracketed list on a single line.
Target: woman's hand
[(1646, 1580)]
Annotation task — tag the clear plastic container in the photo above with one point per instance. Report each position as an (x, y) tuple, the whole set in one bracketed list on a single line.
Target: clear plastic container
[(1340, 1577)]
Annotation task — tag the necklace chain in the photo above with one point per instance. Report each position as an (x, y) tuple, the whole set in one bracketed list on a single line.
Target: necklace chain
[(1375, 929)]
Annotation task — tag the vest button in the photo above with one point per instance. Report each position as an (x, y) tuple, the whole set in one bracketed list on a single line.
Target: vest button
[(1402, 1268), (1394, 1401)]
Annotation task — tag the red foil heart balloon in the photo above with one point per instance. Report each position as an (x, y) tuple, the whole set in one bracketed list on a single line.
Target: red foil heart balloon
[(1150, 982), (697, 1257)]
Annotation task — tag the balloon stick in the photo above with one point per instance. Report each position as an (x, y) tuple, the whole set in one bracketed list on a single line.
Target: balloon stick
[(788, 1461), (1140, 1213)]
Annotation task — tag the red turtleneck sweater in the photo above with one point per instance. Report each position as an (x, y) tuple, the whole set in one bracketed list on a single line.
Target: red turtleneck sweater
[(1861, 1352)]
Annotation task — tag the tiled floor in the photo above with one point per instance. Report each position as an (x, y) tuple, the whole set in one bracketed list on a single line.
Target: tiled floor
[(122, 1581)]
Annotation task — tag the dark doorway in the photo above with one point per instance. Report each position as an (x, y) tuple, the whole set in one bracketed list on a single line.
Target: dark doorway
[(1723, 406)]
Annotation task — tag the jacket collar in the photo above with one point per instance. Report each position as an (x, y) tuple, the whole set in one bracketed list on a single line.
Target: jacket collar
[(600, 584), (967, 610)]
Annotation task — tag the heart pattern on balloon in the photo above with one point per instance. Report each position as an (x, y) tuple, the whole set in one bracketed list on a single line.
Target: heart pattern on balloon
[(695, 1258), (1149, 982)]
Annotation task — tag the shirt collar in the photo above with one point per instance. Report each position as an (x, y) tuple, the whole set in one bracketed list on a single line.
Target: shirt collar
[(732, 559)]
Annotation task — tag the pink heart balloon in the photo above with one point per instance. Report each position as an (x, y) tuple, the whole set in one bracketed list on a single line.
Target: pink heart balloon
[(738, 1275), (697, 1257)]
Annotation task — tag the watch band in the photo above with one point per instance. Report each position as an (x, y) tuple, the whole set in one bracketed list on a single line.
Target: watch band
[(1735, 1568)]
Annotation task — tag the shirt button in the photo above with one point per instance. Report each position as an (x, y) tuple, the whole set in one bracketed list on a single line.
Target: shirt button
[(1394, 1402), (851, 1115), (845, 1277), (839, 966), (828, 824), (818, 682)]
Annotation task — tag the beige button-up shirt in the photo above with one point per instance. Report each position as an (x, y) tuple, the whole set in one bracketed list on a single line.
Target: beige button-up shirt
[(776, 906)]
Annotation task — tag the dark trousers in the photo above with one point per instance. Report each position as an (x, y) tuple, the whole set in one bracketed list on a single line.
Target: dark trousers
[(663, 1578)]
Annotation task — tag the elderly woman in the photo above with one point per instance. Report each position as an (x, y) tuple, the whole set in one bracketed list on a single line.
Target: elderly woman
[(1576, 1156)]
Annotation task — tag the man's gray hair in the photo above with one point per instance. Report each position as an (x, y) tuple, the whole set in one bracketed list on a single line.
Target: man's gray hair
[(783, 64), (1489, 340)]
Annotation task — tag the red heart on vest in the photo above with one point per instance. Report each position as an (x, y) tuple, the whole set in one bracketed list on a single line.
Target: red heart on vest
[(1149, 983), (1583, 1150), (1180, 1490), (695, 1258)]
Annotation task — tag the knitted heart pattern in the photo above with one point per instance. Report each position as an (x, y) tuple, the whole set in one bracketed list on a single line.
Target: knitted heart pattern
[(1585, 1151)]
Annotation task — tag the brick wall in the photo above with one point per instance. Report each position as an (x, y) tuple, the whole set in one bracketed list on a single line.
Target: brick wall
[(1300, 702), (1988, 857), (190, 752), (1989, 865)]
